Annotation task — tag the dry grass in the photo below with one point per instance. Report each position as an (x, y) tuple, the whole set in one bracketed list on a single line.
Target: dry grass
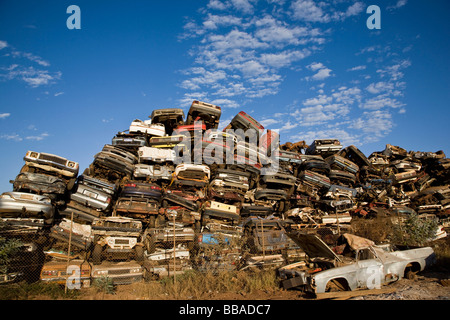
[(200, 286), (378, 229), (442, 249)]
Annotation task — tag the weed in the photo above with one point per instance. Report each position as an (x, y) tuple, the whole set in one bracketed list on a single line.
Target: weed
[(104, 284)]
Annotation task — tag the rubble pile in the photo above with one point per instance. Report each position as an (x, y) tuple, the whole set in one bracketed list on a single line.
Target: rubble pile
[(137, 202)]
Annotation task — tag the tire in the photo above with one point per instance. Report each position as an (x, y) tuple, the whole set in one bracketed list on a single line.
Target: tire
[(337, 285), (160, 221), (152, 221), (71, 184), (281, 205), (139, 253), (27, 168), (149, 244), (197, 226), (410, 274), (97, 254)]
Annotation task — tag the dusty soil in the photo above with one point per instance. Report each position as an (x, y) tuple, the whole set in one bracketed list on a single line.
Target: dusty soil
[(431, 285)]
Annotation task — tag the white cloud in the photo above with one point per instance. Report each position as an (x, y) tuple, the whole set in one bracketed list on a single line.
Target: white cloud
[(234, 39), (378, 87), (34, 76), (347, 95), (36, 59), (374, 125), (288, 126), (217, 5), (398, 4), (16, 137), (314, 115), (352, 10), (230, 89), (3, 44), (260, 92), (280, 34), (394, 72), (216, 21), (357, 68), (4, 115), (242, 5), (271, 79), (322, 71), (324, 12), (225, 103), (355, 9), (40, 137), (13, 136), (284, 58), (381, 101), (322, 74), (315, 66), (187, 99), (307, 10), (241, 53), (239, 57), (246, 52), (253, 68), (267, 122), (204, 78), (31, 57), (321, 99)]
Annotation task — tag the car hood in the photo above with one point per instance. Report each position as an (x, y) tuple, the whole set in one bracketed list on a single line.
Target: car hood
[(313, 246)]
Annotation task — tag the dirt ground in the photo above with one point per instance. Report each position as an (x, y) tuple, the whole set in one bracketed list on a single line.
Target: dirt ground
[(429, 285)]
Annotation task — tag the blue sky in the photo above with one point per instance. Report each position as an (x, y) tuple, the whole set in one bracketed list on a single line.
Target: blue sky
[(307, 68)]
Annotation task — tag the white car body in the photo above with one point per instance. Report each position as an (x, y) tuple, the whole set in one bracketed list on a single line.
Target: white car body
[(156, 155), (154, 129), (370, 267)]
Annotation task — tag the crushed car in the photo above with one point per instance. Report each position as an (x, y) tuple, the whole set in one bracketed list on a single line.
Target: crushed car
[(117, 238), (41, 162), (140, 200), (24, 205), (206, 112)]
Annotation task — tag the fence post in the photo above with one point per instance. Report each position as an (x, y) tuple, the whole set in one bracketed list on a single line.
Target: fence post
[(263, 241), (174, 255), (68, 251)]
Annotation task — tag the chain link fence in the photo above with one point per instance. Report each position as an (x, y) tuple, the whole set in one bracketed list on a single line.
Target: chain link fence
[(76, 254)]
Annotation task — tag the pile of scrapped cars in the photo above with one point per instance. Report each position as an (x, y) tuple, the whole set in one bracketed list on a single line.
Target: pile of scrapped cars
[(174, 193)]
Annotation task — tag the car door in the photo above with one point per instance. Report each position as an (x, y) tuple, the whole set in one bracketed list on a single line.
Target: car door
[(370, 272)]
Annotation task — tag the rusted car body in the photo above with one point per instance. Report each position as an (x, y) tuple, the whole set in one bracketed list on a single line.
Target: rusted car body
[(39, 183), (117, 238), (265, 235), (206, 112), (41, 162)]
